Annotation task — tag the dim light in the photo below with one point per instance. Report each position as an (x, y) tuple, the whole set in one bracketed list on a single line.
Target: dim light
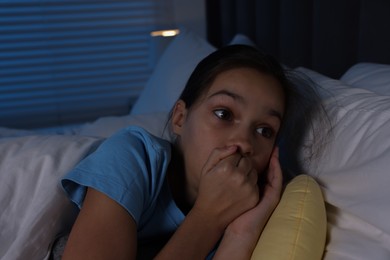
[(165, 33)]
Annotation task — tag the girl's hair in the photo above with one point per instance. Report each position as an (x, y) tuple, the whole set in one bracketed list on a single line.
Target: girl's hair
[(301, 100)]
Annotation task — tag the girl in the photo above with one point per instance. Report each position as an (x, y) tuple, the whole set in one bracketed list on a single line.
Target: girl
[(210, 193)]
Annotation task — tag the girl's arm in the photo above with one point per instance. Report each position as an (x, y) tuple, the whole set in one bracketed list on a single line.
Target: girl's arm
[(103, 230), (241, 236), (194, 239)]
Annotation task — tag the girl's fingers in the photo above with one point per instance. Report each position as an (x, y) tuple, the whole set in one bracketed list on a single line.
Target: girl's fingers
[(275, 176), (273, 187), (228, 161), (253, 177), (218, 155), (246, 168)]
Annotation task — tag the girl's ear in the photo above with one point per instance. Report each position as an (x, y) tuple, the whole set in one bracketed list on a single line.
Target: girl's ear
[(179, 116)]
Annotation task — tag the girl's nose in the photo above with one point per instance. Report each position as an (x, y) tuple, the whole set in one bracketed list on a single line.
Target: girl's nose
[(243, 140)]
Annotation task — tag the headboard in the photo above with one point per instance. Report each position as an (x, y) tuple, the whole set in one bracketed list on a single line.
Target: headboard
[(328, 36)]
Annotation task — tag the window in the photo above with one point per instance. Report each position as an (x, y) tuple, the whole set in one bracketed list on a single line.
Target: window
[(64, 62)]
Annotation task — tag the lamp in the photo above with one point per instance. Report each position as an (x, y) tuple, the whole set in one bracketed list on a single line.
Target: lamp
[(159, 41)]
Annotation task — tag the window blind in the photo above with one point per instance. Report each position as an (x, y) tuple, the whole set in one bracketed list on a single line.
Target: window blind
[(64, 62)]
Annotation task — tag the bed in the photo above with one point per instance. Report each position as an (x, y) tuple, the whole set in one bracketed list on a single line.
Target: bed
[(340, 45)]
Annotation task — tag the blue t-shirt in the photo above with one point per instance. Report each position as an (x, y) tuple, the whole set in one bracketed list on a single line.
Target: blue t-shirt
[(130, 167)]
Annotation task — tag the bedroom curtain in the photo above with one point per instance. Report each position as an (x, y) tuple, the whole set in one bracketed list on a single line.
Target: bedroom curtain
[(304, 32), (67, 61)]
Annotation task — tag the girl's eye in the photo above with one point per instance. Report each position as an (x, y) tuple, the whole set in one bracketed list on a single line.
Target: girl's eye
[(223, 114), (265, 131)]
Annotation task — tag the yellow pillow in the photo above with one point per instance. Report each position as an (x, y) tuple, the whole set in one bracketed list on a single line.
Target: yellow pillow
[(297, 227)]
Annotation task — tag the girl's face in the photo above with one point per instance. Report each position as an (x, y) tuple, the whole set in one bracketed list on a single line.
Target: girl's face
[(242, 107)]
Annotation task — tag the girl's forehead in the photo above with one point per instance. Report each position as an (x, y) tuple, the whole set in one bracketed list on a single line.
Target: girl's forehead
[(246, 85), (245, 78)]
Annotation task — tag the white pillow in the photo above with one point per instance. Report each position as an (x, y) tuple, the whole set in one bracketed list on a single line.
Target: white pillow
[(171, 73), (57, 130), (173, 70), (12, 132), (372, 76), (154, 123), (354, 171), (34, 208)]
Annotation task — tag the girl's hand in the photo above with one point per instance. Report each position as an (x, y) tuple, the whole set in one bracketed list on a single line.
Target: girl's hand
[(255, 219), (242, 233), (228, 186)]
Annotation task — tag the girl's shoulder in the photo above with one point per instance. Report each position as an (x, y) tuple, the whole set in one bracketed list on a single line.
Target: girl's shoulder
[(136, 137), (129, 167)]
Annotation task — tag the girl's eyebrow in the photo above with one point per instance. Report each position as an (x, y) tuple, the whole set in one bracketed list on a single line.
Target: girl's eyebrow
[(271, 112), (228, 93), (275, 113)]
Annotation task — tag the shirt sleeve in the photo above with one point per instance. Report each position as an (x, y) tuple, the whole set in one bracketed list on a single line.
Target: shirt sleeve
[(128, 167)]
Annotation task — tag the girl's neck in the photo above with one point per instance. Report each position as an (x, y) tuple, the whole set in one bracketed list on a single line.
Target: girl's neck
[(178, 182)]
